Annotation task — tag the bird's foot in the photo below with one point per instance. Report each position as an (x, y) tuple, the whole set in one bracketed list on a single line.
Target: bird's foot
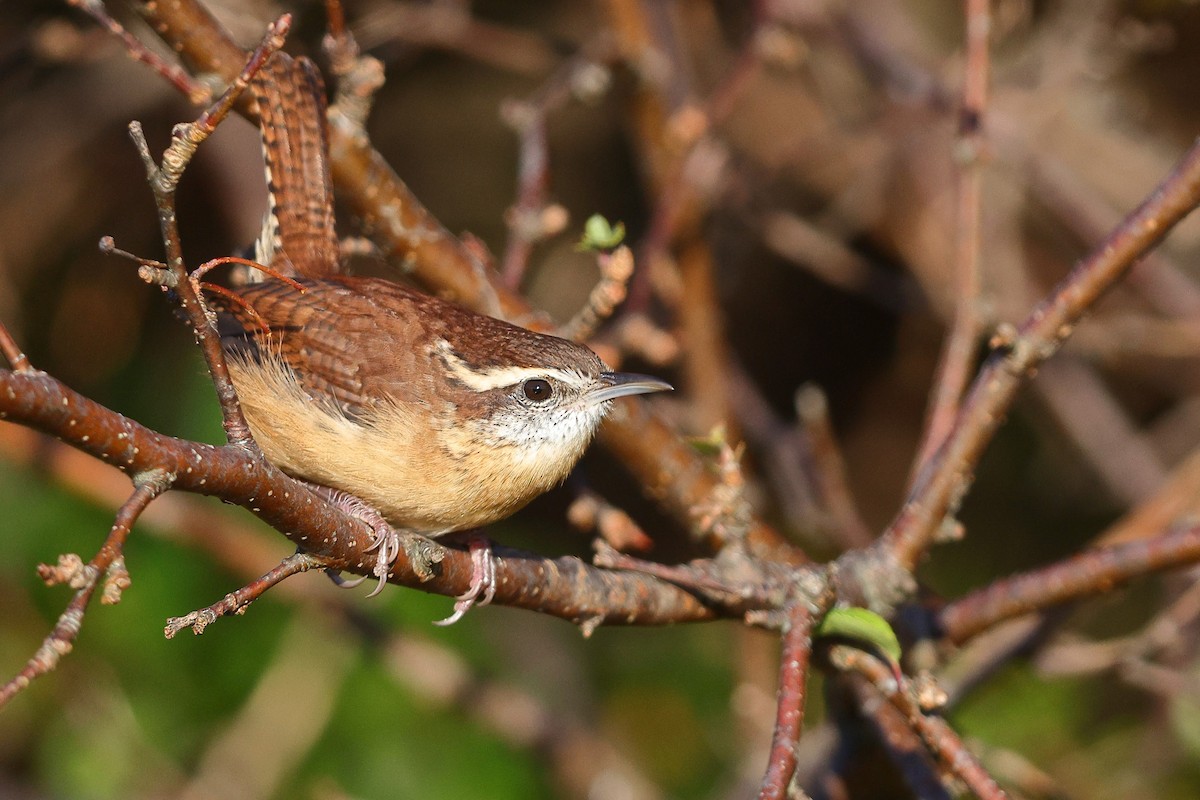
[(483, 579), (386, 542)]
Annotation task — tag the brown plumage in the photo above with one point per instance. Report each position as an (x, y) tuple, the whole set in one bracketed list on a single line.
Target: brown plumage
[(298, 236)]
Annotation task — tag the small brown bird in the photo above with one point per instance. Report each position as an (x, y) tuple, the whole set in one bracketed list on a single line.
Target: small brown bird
[(439, 418)]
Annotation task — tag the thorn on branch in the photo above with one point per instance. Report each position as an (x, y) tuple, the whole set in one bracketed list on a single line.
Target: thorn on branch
[(152, 272)]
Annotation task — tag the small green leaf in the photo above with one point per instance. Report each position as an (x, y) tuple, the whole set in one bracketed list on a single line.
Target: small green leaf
[(600, 234), (711, 444), (864, 626)]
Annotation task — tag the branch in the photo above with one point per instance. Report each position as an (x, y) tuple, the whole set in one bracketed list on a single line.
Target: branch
[(793, 677), (109, 563), (164, 179), (942, 483), (1090, 573), (958, 354), (942, 741)]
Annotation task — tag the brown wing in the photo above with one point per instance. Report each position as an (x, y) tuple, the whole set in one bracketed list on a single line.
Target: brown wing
[(342, 344), (356, 341), (299, 236)]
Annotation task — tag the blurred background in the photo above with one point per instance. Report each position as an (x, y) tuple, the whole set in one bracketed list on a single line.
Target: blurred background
[(814, 145)]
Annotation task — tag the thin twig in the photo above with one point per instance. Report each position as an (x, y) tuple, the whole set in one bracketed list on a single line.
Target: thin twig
[(196, 91), (903, 746), (958, 354), (829, 468), (237, 602), (12, 352), (616, 268), (163, 179), (108, 563), (524, 217)]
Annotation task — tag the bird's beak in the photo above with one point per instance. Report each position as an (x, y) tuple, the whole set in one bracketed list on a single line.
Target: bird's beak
[(620, 384)]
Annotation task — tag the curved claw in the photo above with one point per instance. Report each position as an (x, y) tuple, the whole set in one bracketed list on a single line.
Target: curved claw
[(343, 583), (386, 541), (483, 581)]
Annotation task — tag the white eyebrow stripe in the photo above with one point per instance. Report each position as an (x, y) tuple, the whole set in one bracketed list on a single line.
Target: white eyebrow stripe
[(499, 377)]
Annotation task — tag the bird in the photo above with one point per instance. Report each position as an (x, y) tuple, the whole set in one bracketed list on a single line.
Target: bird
[(413, 412)]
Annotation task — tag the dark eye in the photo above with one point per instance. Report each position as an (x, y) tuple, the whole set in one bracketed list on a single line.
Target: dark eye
[(537, 390)]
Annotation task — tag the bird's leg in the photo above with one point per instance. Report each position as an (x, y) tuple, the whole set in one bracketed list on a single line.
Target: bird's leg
[(387, 540), (483, 578)]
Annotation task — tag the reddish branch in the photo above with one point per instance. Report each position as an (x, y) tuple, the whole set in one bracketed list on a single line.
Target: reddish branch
[(903, 747), (940, 486), (958, 355), (178, 77), (12, 352), (789, 714), (1086, 574), (941, 740), (107, 564), (524, 218), (829, 468)]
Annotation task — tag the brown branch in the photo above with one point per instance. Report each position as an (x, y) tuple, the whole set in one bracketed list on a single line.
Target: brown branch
[(958, 354), (903, 747), (941, 485), (616, 268), (1089, 573), (108, 563), (1176, 499), (938, 736), (453, 28), (524, 217), (704, 345), (789, 716), (829, 468), (236, 602), (196, 91)]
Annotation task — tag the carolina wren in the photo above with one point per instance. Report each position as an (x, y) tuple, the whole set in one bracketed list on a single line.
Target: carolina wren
[(440, 418)]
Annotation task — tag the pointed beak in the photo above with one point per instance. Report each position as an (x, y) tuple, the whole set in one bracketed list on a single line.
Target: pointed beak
[(621, 384)]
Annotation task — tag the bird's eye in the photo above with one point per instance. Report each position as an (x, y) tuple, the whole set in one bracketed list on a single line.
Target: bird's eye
[(537, 390)]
